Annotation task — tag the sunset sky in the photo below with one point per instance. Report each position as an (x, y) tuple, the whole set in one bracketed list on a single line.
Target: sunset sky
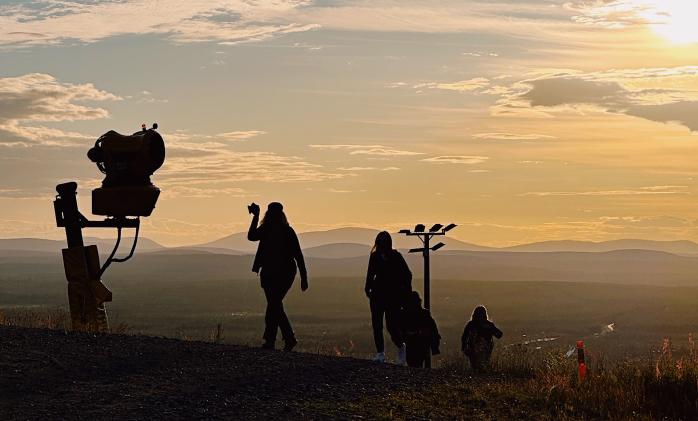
[(520, 120)]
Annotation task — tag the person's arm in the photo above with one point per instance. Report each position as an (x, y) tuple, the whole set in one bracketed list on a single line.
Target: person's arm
[(253, 234), (464, 338), (300, 260), (370, 276), (406, 274), (496, 332)]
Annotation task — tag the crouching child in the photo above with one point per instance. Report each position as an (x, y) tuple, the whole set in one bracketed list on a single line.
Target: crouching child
[(476, 342), (420, 332)]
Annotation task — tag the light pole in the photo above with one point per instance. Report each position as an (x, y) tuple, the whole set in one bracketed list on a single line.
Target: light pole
[(425, 237)]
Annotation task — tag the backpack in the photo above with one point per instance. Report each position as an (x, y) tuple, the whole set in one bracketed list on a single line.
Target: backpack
[(476, 344)]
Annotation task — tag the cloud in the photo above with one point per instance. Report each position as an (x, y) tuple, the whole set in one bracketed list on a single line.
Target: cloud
[(479, 54), (528, 17), (663, 221), (173, 191), (627, 13), (457, 159), (651, 190), (612, 13), (241, 135), (228, 168), (38, 97), (374, 150), (221, 21), (512, 136), (356, 168), (666, 95), (382, 151), (460, 86)]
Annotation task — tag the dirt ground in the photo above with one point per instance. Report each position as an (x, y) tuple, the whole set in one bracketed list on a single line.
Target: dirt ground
[(52, 374)]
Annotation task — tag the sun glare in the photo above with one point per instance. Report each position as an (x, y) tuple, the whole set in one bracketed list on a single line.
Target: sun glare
[(674, 20)]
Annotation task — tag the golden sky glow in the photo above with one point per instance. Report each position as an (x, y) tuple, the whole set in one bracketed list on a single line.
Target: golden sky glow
[(519, 120)]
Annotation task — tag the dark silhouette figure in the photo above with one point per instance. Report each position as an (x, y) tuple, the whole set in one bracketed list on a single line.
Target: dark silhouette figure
[(278, 255), (476, 342), (420, 332), (388, 283)]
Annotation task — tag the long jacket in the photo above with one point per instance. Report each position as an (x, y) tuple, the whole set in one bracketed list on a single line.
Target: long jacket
[(388, 278), (279, 249)]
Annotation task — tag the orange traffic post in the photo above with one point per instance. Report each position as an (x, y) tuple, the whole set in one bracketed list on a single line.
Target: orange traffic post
[(580, 360)]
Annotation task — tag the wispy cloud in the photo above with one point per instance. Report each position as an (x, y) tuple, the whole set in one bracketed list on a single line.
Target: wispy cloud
[(457, 159), (373, 150), (512, 136), (221, 21), (651, 190), (460, 86)]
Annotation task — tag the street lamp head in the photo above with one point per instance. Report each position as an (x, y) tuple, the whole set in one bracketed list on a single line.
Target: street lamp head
[(435, 228), (438, 246), (404, 232), (449, 227), (419, 250), (419, 228)]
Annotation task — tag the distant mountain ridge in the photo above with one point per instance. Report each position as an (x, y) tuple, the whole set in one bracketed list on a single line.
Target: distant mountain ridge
[(45, 245), (353, 242), (349, 235), (675, 247)]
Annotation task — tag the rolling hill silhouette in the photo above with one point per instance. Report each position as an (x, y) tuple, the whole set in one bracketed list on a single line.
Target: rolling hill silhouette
[(354, 236), (53, 246), (353, 242)]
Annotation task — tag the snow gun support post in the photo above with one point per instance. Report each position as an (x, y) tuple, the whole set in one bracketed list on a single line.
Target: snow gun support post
[(126, 195)]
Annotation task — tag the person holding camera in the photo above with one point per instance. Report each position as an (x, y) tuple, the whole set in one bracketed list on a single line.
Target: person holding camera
[(278, 254)]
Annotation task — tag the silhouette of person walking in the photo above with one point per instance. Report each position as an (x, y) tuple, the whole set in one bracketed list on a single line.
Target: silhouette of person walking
[(476, 342), (420, 332), (278, 254), (388, 282)]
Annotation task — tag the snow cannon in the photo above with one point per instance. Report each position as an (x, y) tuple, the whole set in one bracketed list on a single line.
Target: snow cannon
[(128, 161)]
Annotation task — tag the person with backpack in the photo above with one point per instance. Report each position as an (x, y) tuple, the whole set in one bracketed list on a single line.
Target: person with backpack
[(420, 332), (388, 283), (278, 254), (477, 343)]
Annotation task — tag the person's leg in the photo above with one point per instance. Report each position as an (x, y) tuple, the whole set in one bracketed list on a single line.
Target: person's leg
[(413, 354), (271, 318), (284, 323), (392, 323), (377, 311), (475, 363)]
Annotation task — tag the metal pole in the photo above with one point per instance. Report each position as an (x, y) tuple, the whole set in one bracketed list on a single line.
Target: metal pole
[(81, 265), (67, 193), (427, 286), (427, 295)]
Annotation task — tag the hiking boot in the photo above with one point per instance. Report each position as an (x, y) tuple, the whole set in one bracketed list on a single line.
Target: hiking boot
[(268, 345), (379, 358), (290, 344), (401, 355)]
